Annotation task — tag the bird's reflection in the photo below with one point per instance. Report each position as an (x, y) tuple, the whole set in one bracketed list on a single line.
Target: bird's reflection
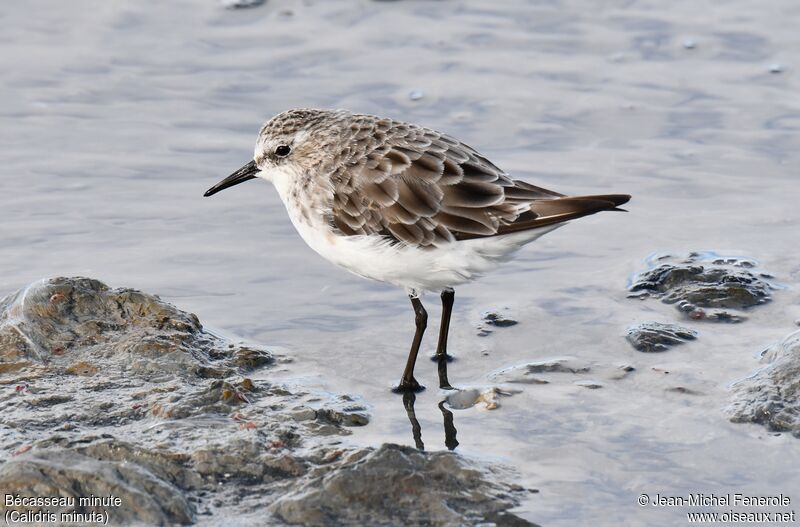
[(450, 431)]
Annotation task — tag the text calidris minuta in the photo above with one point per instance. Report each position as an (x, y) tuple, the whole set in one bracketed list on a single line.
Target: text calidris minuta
[(403, 204)]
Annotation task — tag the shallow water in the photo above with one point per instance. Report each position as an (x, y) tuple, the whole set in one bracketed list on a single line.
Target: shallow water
[(116, 117)]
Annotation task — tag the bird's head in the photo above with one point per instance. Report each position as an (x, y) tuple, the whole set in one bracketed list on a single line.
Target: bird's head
[(293, 142)]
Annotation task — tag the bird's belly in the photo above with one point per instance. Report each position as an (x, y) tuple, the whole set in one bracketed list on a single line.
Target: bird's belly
[(420, 269), (376, 258)]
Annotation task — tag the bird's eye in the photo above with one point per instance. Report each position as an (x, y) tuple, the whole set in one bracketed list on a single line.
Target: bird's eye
[(283, 151)]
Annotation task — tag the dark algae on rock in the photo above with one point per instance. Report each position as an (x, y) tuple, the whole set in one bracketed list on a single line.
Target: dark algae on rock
[(704, 286), (114, 392), (707, 287), (654, 337)]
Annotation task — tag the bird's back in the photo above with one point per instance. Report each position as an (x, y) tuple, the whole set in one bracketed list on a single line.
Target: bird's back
[(424, 188)]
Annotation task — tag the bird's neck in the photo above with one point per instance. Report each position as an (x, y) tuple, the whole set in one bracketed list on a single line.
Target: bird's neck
[(307, 200)]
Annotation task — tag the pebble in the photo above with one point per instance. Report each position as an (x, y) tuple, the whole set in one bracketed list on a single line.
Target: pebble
[(241, 4)]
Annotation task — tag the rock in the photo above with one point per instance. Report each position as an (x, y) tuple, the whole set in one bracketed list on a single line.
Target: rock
[(131, 365), (498, 320), (771, 396), (246, 461), (558, 365), (494, 319), (700, 282), (64, 321), (562, 370), (114, 391), (144, 497), (397, 485), (343, 410), (94, 357), (682, 390), (529, 373), (621, 372), (654, 336), (241, 4), (590, 385)]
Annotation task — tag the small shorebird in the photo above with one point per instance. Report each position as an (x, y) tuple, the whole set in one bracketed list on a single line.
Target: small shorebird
[(403, 204)]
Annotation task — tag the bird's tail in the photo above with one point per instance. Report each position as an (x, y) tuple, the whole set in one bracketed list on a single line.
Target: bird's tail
[(545, 212)]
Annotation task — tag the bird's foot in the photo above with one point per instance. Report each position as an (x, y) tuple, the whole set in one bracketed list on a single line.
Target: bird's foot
[(408, 386)]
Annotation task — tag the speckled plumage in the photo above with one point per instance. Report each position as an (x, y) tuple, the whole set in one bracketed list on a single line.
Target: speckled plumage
[(403, 204), (412, 185)]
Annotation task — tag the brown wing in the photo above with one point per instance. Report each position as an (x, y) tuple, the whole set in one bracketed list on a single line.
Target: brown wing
[(424, 188)]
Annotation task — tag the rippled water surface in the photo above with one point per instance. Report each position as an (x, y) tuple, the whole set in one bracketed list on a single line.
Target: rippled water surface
[(117, 116)]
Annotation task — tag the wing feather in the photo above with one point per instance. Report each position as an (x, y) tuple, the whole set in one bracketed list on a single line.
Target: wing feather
[(423, 188), (419, 198), (474, 194)]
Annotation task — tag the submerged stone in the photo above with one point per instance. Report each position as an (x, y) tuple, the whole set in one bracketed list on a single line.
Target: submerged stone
[(500, 320), (241, 4), (701, 285), (494, 319), (531, 373), (652, 337), (771, 396)]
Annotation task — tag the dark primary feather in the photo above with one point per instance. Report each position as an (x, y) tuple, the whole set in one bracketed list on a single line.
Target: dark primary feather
[(424, 188)]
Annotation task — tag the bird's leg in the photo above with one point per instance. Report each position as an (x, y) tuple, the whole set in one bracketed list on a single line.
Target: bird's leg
[(408, 402), (408, 383), (450, 431), (448, 297)]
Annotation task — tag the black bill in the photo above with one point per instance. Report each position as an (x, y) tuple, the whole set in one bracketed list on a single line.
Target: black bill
[(245, 173)]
